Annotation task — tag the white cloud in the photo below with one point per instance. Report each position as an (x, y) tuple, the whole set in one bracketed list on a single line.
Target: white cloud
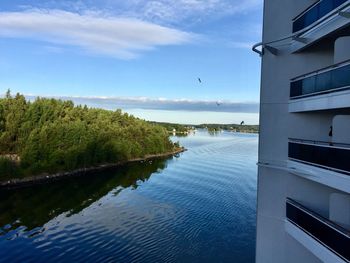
[(161, 104), (94, 32), (177, 11), (161, 11)]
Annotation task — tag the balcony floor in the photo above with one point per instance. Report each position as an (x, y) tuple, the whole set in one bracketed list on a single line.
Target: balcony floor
[(328, 101), (312, 244), (323, 176)]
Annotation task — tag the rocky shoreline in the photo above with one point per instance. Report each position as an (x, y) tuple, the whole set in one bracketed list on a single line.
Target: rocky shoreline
[(45, 178)]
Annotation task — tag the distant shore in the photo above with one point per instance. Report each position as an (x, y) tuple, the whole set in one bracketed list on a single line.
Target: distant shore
[(46, 178), (184, 129)]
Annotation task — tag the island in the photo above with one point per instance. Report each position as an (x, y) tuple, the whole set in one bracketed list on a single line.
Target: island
[(50, 138)]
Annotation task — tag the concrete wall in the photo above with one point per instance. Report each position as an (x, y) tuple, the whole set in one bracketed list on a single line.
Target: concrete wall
[(277, 125), (341, 129), (341, 49), (339, 209), (276, 122)]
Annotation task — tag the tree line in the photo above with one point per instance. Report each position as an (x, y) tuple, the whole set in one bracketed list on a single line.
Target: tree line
[(171, 127), (230, 127), (51, 135), (181, 128)]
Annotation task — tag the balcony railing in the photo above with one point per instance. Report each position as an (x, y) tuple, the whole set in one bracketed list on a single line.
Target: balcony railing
[(323, 81), (322, 154), (329, 234), (315, 12)]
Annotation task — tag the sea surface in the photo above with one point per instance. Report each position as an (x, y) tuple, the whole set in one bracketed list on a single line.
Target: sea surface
[(197, 207)]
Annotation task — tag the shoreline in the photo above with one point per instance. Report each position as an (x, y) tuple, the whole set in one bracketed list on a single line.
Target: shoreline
[(46, 178)]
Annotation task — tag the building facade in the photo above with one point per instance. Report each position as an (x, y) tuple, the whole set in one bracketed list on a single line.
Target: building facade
[(303, 210)]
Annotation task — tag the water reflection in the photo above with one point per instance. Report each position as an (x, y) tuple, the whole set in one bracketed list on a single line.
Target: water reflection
[(30, 208), (201, 208), (213, 132)]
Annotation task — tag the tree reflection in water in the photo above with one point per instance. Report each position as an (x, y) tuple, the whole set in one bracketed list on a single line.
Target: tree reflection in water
[(32, 207)]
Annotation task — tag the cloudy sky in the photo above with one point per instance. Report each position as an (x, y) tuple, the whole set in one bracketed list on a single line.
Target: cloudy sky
[(135, 54)]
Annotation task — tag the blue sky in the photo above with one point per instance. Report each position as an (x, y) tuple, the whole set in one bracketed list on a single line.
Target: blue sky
[(134, 50)]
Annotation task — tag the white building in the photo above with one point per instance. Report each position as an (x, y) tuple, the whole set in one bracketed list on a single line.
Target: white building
[(303, 210)]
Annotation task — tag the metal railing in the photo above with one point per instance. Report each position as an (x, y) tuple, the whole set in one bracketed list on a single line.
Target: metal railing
[(315, 13), (326, 232), (321, 143), (326, 80), (326, 155)]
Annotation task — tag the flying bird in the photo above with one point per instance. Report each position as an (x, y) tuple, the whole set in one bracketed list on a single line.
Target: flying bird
[(199, 80), (242, 122)]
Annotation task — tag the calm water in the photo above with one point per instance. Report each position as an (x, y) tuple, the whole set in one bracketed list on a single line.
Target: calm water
[(199, 207)]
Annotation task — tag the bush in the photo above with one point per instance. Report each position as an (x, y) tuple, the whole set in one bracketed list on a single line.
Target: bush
[(8, 168)]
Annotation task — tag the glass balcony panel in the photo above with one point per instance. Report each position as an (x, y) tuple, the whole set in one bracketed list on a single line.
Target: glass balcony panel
[(309, 85), (311, 16), (296, 88), (341, 77), (338, 3), (339, 159), (321, 155), (323, 81), (298, 25), (308, 154), (325, 7), (293, 150)]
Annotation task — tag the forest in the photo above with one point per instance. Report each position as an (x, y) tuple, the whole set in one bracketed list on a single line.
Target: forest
[(50, 135)]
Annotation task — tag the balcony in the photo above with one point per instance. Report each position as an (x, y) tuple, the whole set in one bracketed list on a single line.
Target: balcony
[(315, 13), (328, 88), (331, 236), (334, 157), (318, 21), (321, 162)]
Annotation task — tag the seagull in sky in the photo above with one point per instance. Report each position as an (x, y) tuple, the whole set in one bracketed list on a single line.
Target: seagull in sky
[(242, 122), (199, 79)]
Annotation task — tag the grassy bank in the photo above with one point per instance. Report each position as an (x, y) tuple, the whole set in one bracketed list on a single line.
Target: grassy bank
[(45, 177)]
